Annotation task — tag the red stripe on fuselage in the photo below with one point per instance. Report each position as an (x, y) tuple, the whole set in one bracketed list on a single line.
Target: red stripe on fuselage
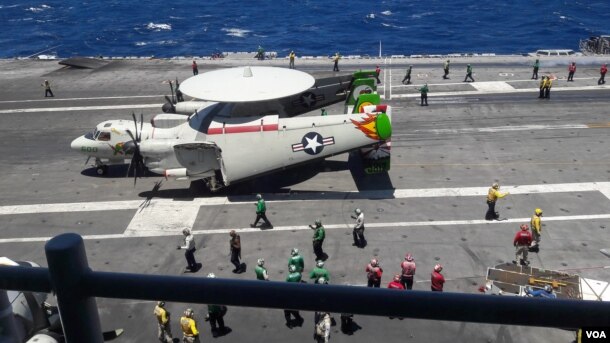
[(242, 129)]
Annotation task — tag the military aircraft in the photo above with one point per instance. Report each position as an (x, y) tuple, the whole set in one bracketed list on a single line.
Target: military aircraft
[(241, 130)]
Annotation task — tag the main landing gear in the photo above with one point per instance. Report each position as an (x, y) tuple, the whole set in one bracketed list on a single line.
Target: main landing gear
[(100, 168)]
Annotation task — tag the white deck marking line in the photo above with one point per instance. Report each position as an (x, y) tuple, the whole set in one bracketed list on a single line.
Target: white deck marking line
[(497, 129), (472, 83), (603, 187), (492, 86), (164, 217), (178, 231), (77, 99), (516, 90), (79, 108)]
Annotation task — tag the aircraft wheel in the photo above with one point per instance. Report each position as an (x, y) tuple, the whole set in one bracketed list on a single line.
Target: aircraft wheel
[(102, 170)]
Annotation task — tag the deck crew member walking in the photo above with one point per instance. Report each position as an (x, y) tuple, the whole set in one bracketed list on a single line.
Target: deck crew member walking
[(189, 254), (522, 242), (235, 250), (492, 196), (358, 231), (571, 71)]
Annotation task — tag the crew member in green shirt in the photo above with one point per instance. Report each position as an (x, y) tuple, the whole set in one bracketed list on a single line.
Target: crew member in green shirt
[(261, 208), (469, 73), (294, 276), (424, 94), (296, 260), (318, 272), (318, 239), (261, 271)]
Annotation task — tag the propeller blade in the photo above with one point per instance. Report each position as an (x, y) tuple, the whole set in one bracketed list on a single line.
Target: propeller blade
[(172, 108), (171, 86), (130, 135), (135, 123), (141, 127)]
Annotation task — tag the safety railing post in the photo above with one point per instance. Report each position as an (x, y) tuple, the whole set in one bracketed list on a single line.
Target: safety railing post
[(67, 266)]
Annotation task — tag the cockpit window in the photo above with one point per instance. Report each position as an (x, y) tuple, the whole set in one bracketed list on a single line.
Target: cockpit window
[(103, 136), (89, 135)]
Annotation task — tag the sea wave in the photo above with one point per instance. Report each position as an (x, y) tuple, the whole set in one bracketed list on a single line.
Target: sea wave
[(388, 12), (141, 44), (159, 27), (235, 32), (371, 16), (421, 15), (38, 9), (8, 6)]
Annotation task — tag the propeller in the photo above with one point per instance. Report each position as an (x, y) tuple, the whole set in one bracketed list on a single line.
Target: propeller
[(170, 105), (133, 146)]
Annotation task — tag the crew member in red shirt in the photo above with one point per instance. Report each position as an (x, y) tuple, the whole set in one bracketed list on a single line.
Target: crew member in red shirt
[(437, 279), (373, 273), (408, 271), (195, 68), (602, 72), (377, 72), (522, 242), (395, 284), (571, 71)]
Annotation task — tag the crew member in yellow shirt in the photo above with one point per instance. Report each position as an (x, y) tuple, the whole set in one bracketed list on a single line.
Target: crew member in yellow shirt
[(492, 196), (190, 334), (165, 330), (536, 226)]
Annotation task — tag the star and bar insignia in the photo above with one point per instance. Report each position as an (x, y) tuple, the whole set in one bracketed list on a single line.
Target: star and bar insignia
[(313, 143)]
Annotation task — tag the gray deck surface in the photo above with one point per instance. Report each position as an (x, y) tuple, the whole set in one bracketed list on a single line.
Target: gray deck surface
[(467, 137)]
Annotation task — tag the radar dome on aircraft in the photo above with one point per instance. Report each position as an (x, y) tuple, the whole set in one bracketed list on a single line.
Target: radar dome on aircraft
[(247, 84)]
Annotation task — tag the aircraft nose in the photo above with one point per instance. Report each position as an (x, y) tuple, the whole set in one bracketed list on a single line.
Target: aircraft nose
[(78, 143)]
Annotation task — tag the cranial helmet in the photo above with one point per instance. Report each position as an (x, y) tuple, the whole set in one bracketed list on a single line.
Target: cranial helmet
[(409, 257), (160, 303), (548, 288), (397, 277), (495, 185), (318, 222), (374, 262), (186, 232), (538, 211), (438, 268), (358, 211), (188, 313), (259, 197), (320, 264), (524, 227), (294, 252), (260, 262)]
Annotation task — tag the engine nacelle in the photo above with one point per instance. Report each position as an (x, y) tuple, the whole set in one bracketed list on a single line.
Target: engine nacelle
[(168, 120), (178, 174), (189, 107)]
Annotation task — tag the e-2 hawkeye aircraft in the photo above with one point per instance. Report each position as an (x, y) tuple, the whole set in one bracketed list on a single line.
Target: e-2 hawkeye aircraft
[(222, 144)]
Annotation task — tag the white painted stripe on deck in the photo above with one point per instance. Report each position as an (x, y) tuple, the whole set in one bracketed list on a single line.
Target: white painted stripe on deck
[(178, 231), (492, 86), (412, 85), (163, 217), (79, 108), (603, 187), (496, 129), (77, 99), (516, 90)]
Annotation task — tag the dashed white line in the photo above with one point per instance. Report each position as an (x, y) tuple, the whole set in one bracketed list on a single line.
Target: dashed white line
[(79, 108), (603, 187), (178, 231), (77, 99), (498, 129)]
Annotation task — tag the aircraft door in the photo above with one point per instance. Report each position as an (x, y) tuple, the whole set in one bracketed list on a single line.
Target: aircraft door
[(200, 159)]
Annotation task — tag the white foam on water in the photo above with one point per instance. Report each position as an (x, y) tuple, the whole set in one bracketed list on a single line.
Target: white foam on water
[(141, 43), (371, 15), (159, 27), (38, 9), (388, 12), (235, 32)]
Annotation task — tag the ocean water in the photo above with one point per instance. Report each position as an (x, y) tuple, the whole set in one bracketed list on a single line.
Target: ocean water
[(310, 27)]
